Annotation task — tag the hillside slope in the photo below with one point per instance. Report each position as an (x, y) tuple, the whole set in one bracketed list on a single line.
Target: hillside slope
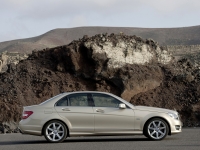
[(165, 36)]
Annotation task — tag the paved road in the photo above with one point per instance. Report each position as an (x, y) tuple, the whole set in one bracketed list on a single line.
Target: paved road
[(189, 139)]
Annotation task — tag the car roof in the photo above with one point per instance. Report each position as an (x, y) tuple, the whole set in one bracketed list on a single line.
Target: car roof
[(88, 92), (54, 99)]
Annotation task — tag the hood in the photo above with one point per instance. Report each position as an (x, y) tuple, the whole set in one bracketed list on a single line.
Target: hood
[(155, 109)]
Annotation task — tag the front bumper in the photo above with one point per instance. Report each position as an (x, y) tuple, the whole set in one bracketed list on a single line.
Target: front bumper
[(176, 126)]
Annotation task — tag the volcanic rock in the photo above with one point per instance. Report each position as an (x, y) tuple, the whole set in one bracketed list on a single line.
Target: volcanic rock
[(8, 58), (137, 70)]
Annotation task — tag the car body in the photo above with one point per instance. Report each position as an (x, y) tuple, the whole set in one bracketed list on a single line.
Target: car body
[(91, 113)]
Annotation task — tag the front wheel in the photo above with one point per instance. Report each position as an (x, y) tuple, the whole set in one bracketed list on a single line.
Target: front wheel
[(55, 131), (156, 129)]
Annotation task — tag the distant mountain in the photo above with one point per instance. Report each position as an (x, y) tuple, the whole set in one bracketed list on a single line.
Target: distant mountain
[(57, 37)]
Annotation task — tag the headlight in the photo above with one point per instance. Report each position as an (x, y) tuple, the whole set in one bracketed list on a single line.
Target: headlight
[(175, 116)]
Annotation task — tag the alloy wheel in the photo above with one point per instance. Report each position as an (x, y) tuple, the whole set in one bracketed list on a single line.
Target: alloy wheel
[(157, 129), (55, 131)]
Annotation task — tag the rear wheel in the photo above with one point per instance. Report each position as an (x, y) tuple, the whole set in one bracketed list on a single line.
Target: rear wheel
[(156, 129), (55, 131)]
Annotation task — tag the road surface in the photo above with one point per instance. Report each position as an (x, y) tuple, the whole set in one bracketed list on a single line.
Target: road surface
[(189, 139)]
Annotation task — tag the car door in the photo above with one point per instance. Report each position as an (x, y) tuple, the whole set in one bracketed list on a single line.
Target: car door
[(75, 108), (109, 118)]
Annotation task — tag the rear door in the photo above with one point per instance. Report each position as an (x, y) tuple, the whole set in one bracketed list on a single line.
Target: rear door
[(75, 108)]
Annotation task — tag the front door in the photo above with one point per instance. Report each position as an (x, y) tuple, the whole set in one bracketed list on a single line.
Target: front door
[(109, 118)]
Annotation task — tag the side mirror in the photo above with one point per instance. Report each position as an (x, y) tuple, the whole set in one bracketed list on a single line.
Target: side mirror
[(122, 106)]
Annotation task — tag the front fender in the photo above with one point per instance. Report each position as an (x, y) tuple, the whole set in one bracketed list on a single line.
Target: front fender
[(156, 115)]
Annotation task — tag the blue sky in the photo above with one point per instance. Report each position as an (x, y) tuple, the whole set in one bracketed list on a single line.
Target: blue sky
[(28, 18)]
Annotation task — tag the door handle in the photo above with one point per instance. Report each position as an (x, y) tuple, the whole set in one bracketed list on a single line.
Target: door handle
[(100, 110), (65, 109)]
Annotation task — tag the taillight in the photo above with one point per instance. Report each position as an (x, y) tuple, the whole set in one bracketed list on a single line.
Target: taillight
[(26, 114)]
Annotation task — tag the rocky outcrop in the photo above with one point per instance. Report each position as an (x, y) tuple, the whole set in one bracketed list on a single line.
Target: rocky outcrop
[(137, 70), (7, 58), (179, 90), (124, 50), (112, 58)]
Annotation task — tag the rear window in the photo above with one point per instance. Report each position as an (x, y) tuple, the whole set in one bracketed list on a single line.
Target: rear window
[(51, 99), (62, 102), (73, 100)]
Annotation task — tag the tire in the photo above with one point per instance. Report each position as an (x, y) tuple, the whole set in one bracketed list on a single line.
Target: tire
[(156, 129), (55, 131), (145, 134)]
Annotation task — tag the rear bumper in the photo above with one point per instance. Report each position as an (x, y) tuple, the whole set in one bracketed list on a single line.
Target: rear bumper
[(29, 129)]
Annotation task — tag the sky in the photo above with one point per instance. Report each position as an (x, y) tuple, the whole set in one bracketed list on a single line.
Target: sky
[(29, 18)]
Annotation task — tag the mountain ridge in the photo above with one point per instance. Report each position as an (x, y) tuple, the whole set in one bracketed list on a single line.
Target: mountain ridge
[(63, 36)]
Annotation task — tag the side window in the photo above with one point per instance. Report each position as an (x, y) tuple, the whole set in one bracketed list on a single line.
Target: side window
[(62, 102), (102, 100), (77, 100)]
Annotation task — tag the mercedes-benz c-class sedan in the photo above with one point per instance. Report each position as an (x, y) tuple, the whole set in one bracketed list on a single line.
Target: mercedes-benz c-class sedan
[(91, 113)]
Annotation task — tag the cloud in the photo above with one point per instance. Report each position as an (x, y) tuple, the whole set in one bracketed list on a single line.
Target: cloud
[(47, 9), (78, 21), (39, 16)]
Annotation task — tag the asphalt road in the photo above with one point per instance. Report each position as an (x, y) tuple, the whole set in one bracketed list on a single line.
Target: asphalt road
[(189, 139)]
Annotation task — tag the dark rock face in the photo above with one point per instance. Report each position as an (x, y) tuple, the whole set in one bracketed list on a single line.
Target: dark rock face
[(137, 70), (179, 90), (8, 128)]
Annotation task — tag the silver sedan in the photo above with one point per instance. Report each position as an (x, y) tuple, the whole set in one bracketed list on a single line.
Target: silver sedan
[(91, 113)]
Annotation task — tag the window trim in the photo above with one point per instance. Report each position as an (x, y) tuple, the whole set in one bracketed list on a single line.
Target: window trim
[(90, 100)]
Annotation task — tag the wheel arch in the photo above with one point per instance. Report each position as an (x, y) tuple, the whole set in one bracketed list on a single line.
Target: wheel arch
[(56, 120), (169, 132)]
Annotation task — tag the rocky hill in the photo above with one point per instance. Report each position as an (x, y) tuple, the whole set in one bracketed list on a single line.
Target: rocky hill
[(57, 37), (138, 70)]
